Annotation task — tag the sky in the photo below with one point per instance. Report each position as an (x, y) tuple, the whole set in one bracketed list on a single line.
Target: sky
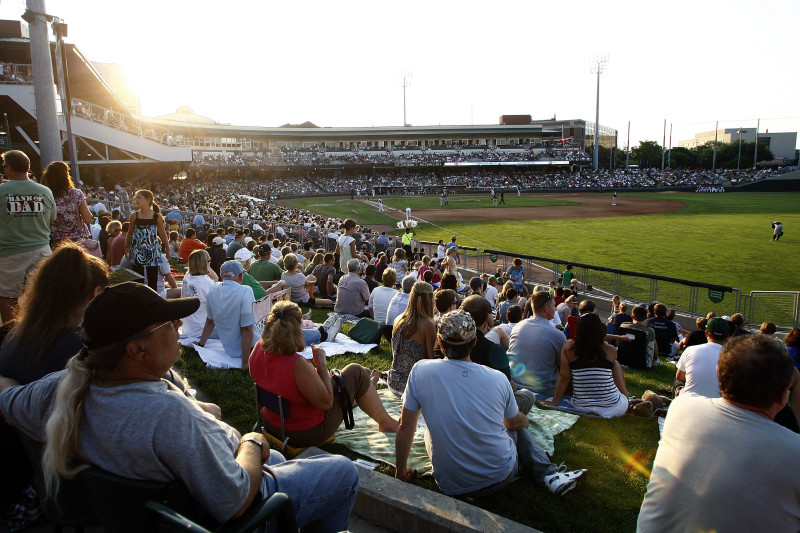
[(265, 63)]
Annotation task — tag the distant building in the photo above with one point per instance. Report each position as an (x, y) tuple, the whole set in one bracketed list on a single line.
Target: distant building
[(782, 145)]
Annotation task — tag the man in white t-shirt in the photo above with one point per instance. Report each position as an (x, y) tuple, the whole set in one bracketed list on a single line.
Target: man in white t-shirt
[(697, 367), (477, 443), (723, 464)]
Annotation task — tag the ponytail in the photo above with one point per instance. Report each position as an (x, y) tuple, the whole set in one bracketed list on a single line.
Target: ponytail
[(62, 427)]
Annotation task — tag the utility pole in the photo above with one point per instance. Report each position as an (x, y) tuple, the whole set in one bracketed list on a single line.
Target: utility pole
[(44, 95)]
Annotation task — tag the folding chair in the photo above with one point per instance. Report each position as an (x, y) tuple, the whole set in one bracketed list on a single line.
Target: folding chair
[(121, 505), (263, 305), (278, 506), (70, 506), (280, 406)]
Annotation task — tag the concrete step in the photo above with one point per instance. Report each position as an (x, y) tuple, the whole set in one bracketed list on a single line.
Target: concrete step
[(402, 507)]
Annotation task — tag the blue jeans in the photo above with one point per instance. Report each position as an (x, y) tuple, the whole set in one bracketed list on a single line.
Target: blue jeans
[(312, 336), (323, 489)]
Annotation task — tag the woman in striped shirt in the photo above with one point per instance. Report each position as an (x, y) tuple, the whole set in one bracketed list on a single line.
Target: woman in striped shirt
[(598, 383)]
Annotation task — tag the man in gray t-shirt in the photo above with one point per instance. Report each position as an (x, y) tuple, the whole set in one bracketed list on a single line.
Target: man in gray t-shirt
[(476, 442), (134, 424)]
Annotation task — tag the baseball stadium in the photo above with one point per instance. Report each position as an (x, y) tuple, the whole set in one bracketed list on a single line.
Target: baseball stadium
[(704, 243)]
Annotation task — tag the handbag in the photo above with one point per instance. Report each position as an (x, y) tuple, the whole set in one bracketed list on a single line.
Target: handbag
[(366, 331), (344, 397), (91, 246)]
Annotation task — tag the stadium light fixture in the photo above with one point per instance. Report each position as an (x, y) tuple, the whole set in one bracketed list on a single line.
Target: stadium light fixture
[(598, 66)]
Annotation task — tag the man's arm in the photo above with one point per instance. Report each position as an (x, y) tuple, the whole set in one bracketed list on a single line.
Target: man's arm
[(250, 457), (247, 345), (402, 443), (207, 329), (518, 422)]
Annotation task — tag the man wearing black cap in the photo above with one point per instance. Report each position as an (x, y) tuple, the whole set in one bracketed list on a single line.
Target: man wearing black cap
[(697, 366), (110, 408)]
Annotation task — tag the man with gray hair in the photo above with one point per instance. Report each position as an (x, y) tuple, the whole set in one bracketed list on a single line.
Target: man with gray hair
[(353, 295), (399, 302)]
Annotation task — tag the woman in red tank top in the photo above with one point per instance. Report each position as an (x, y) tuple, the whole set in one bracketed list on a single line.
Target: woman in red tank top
[(315, 409)]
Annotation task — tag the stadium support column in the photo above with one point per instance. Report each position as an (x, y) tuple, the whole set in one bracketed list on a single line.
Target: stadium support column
[(663, 142), (43, 84)]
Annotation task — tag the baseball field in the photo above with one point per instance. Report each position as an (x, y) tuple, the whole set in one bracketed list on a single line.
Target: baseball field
[(724, 239)]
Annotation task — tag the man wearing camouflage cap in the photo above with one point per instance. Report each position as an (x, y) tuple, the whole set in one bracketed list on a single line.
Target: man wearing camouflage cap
[(477, 442)]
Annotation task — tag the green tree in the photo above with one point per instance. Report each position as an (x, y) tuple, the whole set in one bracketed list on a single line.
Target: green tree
[(682, 158), (647, 154)]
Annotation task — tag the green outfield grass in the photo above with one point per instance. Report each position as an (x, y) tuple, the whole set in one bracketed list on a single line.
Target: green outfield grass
[(341, 207), (718, 238)]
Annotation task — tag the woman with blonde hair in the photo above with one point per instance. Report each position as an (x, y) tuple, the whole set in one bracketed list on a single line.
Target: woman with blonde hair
[(399, 263), (317, 411), (197, 282), (449, 262), (73, 213), (46, 332), (413, 336)]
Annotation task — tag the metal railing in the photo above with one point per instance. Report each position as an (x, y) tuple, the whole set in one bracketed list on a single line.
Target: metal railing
[(127, 123), (686, 296), (12, 73)]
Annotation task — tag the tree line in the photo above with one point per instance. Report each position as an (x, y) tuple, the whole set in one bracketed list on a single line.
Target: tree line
[(648, 155)]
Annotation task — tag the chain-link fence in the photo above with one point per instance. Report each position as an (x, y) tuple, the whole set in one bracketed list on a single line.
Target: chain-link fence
[(782, 308)]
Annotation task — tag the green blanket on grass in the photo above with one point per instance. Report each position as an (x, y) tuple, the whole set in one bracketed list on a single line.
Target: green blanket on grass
[(367, 440)]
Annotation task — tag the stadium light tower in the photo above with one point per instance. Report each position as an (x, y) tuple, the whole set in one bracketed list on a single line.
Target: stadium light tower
[(598, 66), (406, 83)]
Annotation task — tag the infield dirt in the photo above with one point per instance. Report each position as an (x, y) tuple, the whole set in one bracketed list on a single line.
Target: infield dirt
[(592, 206)]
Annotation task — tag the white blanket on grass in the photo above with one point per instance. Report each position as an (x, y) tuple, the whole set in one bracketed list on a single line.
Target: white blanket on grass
[(214, 354)]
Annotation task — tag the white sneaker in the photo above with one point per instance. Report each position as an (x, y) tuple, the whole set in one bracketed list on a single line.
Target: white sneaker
[(329, 322), (562, 482), (333, 329)]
